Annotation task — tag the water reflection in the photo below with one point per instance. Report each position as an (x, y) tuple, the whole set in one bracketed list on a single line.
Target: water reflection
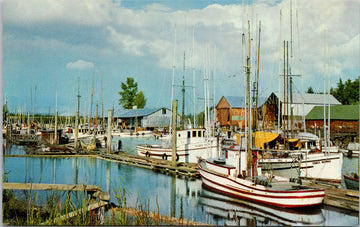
[(233, 211), (167, 194)]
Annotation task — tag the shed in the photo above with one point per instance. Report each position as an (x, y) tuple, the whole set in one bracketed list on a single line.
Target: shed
[(343, 118), (146, 118), (230, 111)]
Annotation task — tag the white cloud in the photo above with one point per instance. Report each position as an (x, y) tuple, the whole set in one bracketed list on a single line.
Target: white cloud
[(157, 7), (28, 12), (148, 32), (80, 64)]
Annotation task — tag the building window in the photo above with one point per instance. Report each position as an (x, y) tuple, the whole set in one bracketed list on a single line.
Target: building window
[(194, 133)]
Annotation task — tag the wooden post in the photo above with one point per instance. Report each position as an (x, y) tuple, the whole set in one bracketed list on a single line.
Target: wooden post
[(108, 145), (76, 130), (28, 123), (173, 132), (55, 139)]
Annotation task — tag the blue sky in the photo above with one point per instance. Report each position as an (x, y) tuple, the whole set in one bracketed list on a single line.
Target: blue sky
[(49, 44)]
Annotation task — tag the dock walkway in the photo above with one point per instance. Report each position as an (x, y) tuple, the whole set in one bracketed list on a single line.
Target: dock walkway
[(338, 197), (164, 166)]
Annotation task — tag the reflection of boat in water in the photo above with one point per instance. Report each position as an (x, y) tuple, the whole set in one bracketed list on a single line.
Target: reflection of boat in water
[(242, 212)]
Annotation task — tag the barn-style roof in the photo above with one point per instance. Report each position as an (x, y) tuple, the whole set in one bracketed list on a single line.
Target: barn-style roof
[(312, 99), (342, 112), (239, 101), (138, 112)]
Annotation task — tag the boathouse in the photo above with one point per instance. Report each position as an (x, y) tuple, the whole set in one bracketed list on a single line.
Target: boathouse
[(298, 107), (343, 119), (145, 118), (230, 111)]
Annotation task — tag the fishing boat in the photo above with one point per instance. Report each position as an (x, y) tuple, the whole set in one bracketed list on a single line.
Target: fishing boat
[(192, 143), (351, 181), (303, 158), (352, 150), (228, 176), (242, 212)]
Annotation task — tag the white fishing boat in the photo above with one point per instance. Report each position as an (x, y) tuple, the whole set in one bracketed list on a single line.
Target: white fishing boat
[(352, 150), (242, 212), (191, 144), (137, 133), (229, 177), (304, 160)]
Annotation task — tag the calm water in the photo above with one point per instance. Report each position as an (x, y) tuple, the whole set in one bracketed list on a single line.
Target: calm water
[(174, 196)]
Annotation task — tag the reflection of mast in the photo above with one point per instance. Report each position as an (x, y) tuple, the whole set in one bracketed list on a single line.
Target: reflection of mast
[(76, 171), (54, 171), (108, 177)]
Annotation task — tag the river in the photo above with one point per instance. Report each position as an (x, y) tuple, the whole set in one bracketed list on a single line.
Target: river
[(167, 194)]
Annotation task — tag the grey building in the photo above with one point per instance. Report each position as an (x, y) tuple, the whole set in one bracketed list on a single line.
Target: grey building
[(146, 118)]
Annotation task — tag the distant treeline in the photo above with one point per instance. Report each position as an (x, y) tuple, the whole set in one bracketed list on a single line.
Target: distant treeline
[(347, 93)]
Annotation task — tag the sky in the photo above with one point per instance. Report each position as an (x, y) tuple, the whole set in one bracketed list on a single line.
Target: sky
[(50, 48)]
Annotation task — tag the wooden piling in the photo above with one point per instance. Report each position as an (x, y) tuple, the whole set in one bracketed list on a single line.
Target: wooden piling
[(28, 123), (76, 130), (55, 139), (173, 131), (109, 126)]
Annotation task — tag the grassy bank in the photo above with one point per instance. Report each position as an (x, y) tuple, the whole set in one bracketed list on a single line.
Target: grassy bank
[(71, 208)]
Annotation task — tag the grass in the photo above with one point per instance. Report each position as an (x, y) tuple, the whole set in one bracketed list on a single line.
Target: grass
[(57, 207)]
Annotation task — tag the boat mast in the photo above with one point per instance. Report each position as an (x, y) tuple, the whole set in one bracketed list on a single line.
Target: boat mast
[(248, 106), (325, 138), (279, 90), (257, 80), (91, 102), (193, 71), (183, 97), (173, 77), (102, 103)]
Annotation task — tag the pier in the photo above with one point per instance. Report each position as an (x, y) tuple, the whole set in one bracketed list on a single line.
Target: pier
[(338, 197), (164, 166)]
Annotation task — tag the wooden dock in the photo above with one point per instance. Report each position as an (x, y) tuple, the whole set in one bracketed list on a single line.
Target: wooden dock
[(164, 166), (57, 187), (338, 197), (98, 199)]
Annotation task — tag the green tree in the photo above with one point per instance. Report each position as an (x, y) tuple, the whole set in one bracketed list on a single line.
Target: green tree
[(140, 100), (310, 90), (130, 96), (347, 93)]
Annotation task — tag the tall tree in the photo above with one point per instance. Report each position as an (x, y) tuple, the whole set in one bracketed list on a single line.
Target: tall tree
[(130, 96), (140, 100), (346, 93)]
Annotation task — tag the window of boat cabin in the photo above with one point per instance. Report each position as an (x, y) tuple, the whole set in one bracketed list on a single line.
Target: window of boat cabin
[(199, 133), (179, 134), (203, 133), (189, 134), (194, 133)]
